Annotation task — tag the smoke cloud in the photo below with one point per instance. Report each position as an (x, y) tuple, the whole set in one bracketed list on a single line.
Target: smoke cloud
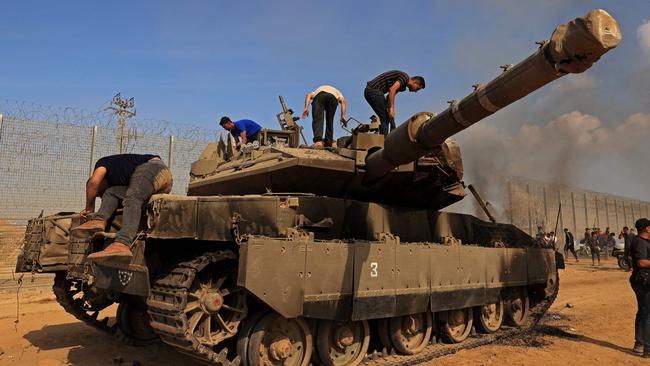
[(574, 133)]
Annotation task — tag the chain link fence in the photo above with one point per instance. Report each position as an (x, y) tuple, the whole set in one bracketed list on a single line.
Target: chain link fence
[(44, 165)]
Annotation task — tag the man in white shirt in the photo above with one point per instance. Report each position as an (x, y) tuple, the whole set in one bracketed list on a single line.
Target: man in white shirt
[(325, 101)]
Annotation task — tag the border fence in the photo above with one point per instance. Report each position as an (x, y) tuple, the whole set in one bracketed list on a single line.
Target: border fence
[(533, 204), (44, 165)]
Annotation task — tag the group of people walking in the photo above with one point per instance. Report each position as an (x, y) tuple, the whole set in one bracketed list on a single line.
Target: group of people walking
[(595, 239), (379, 92)]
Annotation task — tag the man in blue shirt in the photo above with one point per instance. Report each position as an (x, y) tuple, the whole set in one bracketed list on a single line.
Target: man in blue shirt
[(244, 128)]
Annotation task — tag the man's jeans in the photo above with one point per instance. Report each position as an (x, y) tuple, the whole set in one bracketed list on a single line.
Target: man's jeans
[(324, 105), (148, 179), (642, 321), (378, 103)]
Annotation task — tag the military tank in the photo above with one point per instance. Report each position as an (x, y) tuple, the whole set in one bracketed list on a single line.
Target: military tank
[(284, 254)]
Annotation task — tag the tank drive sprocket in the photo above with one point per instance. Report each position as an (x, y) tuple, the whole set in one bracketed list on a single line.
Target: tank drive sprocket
[(197, 305)]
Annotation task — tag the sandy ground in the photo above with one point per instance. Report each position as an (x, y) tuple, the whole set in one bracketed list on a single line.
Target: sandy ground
[(597, 329)]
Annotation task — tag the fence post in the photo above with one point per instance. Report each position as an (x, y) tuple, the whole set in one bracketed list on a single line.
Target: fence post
[(573, 211), (510, 203), (93, 142), (607, 213), (632, 211), (586, 211), (597, 220), (170, 152), (546, 220), (618, 223), (559, 205), (530, 219), (1, 117)]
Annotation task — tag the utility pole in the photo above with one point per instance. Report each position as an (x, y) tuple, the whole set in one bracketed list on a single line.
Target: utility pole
[(124, 109)]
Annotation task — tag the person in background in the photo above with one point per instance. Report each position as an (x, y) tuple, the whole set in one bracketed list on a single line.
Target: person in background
[(569, 245), (602, 241), (640, 282), (391, 83), (627, 237), (587, 235), (552, 240), (611, 242), (245, 129), (594, 247), (325, 101)]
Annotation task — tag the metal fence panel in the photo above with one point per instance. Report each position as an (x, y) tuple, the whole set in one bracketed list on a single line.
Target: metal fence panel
[(44, 166)]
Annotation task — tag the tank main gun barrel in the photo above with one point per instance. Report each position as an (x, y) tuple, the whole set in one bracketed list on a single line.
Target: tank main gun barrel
[(573, 48)]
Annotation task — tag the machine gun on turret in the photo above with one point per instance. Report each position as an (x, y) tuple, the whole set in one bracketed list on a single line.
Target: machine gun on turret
[(288, 122)]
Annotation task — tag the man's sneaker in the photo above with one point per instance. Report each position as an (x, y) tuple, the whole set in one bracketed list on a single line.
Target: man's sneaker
[(114, 250), (91, 226), (638, 348)]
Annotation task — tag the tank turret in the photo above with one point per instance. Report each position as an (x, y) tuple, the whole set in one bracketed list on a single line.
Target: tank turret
[(416, 165)]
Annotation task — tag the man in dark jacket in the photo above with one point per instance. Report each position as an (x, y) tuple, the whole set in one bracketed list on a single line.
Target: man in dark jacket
[(569, 245), (391, 83), (640, 282), (132, 179), (627, 240)]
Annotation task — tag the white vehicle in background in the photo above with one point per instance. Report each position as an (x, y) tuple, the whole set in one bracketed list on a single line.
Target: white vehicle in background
[(582, 249), (619, 253)]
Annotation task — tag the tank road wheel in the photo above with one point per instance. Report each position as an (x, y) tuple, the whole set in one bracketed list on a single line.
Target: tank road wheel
[(244, 335), (517, 307), (342, 343), (489, 317), (457, 326), (279, 341), (133, 324), (215, 306), (411, 333)]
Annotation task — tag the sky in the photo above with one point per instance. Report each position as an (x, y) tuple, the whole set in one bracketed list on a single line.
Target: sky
[(194, 61)]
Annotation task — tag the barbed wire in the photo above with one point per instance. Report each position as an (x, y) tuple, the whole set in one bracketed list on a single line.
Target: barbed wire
[(32, 111)]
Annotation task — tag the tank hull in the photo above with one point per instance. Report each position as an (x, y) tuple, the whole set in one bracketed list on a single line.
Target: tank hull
[(298, 256)]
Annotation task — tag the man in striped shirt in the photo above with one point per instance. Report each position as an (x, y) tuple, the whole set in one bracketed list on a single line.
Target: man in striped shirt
[(325, 101), (391, 82)]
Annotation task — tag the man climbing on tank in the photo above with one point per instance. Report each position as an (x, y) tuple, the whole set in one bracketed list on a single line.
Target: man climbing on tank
[(391, 82), (326, 99), (244, 129), (131, 179)]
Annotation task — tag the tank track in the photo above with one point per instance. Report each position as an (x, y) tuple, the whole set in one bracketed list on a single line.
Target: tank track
[(169, 296), (73, 306), (167, 300), (438, 350)]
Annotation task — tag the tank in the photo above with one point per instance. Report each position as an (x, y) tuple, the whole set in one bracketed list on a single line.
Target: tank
[(285, 254)]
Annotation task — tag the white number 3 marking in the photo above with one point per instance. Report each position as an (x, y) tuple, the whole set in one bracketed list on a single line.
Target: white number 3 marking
[(373, 269)]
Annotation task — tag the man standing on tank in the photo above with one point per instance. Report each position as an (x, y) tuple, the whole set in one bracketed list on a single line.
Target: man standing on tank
[(325, 101), (245, 129), (640, 282), (391, 82), (132, 179)]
